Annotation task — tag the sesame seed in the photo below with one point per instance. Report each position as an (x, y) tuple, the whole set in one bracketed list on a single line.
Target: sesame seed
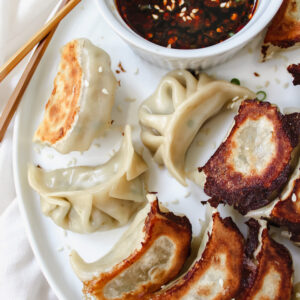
[(86, 83), (184, 19), (195, 10), (165, 2), (192, 15), (189, 18), (181, 2), (294, 197), (221, 282), (100, 69), (223, 4), (169, 46), (169, 8), (181, 14), (105, 91), (156, 7), (183, 9), (155, 16)]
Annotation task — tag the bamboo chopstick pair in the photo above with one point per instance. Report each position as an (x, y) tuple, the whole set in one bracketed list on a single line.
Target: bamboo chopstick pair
[(42, 38)]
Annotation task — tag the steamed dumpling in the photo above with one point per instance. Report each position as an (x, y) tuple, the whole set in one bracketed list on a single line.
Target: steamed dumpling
[(253, 164), (268, 267), (173, 115), (86, 199), (150, 253), (217, 271), (79, 108)]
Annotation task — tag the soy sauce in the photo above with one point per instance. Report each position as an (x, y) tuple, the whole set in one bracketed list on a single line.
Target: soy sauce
[(186, 24)]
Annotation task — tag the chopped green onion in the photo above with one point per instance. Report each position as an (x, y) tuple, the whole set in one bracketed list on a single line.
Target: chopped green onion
[(261, 95), (235, 81)]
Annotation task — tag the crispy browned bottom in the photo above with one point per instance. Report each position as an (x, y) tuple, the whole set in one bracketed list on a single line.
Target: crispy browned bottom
[(178, 229), (272, 258), (63, 104), (225, 239), (256, 189), (287, 213), (284, 31), (295, 71)]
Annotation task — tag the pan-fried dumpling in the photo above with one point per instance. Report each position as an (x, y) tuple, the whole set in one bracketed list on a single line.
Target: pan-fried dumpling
[(284, 31), (295, 71), (173, 115), (79, 108), (253, 164), (217, 270), (86, 199), (268, 267), (285, 211), (150, 253)]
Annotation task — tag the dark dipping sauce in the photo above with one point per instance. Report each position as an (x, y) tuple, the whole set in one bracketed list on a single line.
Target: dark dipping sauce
[(186, 24)]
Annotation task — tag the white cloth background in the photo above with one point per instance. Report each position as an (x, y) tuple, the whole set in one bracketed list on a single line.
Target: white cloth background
[(20, 276)]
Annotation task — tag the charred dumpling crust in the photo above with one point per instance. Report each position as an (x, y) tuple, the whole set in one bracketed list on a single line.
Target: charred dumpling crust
[(284, 31), (217, 271), (295, 71), (285, 211), (252, 165), (130, 279), (269, 269)]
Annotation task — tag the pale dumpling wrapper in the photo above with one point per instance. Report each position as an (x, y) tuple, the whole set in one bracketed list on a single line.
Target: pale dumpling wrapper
[(86, 199), (172, 116), (79, 108), (150, 253)]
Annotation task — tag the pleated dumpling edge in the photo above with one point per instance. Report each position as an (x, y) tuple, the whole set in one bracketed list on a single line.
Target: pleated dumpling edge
[(87, 199), (172, 116)]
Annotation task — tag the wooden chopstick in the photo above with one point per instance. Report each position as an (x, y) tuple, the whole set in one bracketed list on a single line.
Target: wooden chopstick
[(23, 51), (20, 88)]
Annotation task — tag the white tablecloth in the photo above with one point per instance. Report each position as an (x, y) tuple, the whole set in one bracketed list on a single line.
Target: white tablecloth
[(20, 276)]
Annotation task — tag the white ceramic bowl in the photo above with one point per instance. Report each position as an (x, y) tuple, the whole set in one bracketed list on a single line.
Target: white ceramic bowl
[(196, 58)]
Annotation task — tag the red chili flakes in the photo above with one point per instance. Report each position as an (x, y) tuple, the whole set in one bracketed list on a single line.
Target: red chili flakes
[(186, 24)]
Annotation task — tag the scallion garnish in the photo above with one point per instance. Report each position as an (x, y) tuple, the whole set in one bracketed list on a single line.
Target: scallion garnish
[(235, 81), (261, 95)]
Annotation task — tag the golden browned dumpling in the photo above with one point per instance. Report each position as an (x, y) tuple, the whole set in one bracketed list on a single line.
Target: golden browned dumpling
[(284, 31), (269, 267), (253, 164), (285, 210), (79, 107), (217, 271), (149, 254)]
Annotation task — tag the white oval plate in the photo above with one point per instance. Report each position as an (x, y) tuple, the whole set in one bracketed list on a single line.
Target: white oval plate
[(51, 244)]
